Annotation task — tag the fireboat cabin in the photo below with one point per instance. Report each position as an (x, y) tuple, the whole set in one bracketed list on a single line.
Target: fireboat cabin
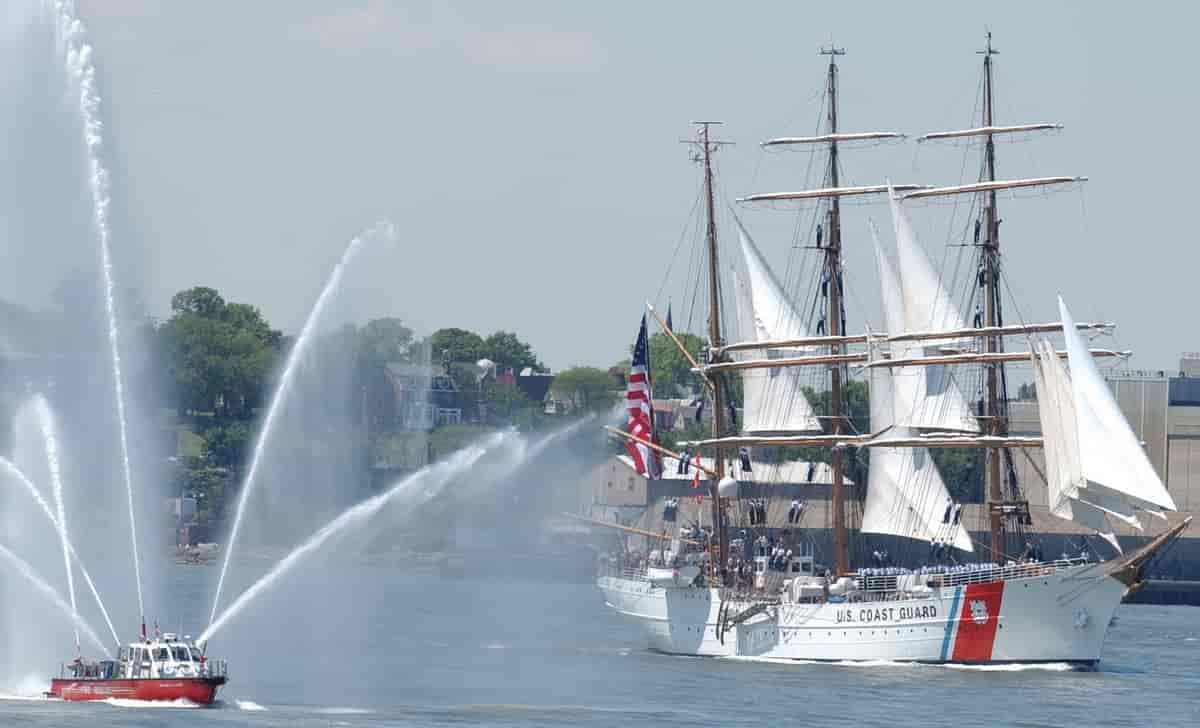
[(162, 668)]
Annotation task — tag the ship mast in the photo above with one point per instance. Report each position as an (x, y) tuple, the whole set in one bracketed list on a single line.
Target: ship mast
[(707, 147), (831, 282), (833, 275), (990, 254), (994, 405), (1004, 503)]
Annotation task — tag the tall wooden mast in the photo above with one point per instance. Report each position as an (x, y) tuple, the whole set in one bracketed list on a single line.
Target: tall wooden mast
[(833, 277), (831, 281), (1005, 503), (991, 268), (707, 147)]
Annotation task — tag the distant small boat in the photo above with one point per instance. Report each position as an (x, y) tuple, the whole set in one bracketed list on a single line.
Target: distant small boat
[(164, 668)]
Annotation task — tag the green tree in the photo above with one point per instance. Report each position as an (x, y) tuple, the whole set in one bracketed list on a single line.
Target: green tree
[(227, 444), (218, 356), (206, 482), (382, 341), (199, 300), (456, 345), (504, 348), (693, 430), (856, 403), (962, 471), (587, 388), (505, 400), (670, 369)]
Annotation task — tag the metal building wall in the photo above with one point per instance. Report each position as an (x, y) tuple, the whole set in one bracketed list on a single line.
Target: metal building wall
[(1143, 400)]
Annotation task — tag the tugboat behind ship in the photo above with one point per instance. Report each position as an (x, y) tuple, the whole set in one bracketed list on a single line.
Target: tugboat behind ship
[(165, 668)]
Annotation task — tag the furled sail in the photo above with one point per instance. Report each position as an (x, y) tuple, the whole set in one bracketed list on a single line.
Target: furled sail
[(928, 397), (1096, 467), (773, 400), (905, 493)]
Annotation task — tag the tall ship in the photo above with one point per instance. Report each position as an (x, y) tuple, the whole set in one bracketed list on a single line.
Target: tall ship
[(936, 382)]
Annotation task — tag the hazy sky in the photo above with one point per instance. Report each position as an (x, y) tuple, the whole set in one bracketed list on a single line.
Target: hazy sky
[(528, 152)]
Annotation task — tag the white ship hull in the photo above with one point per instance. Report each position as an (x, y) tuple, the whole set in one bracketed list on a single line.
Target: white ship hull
[(1062, 616)]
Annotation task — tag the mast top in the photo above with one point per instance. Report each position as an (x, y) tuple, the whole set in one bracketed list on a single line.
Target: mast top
[(989, 50), (705, 145)]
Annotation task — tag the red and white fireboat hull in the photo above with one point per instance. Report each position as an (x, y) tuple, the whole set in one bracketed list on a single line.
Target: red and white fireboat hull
[(199, 690)]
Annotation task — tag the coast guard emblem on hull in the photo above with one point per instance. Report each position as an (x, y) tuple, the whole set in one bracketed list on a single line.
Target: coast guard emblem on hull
[(979, 612)]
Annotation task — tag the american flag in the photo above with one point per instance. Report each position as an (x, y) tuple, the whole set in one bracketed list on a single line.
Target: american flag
[(639, 400)]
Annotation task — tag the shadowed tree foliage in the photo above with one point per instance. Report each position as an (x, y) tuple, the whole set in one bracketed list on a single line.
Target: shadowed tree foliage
[(504, 400), (587, 388), (504, 348), (671, 370), (227, 445), (456, 345)]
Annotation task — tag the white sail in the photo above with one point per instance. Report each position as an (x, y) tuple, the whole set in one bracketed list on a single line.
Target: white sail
[(773, 399), (1060, 436), (905, 493), (927, 397), (1056, 408), (1095, 466), (1111, 458)]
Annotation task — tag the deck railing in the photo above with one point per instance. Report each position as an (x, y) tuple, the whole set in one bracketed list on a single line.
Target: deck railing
[(111, 670), (214, 668), (962, 576)]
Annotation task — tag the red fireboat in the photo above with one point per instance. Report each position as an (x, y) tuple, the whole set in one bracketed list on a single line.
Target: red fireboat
[(165, 668)]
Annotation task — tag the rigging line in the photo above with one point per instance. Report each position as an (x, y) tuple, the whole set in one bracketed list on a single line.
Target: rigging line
[(824, 91), (697, 283), (967, 154), (695, 263), (678, 244), (851, 292)]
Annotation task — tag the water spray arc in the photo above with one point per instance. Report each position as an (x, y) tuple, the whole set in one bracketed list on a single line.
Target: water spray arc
[(383, 230), (15, 474), (50, 442), (432, 477), (421, 487), (81, 72), (25, 570)]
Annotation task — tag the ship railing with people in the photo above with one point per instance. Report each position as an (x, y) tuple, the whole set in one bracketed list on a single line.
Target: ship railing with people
[(897, 579)]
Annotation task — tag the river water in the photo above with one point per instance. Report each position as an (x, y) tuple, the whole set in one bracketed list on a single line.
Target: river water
[(415, 649)]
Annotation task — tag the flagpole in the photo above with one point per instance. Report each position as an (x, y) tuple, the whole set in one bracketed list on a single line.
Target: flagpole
[(657, 448), (682, 349)]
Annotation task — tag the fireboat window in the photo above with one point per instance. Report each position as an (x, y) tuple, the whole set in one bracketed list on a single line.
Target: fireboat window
[(195, 654), (181, 654), (161, 653)]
